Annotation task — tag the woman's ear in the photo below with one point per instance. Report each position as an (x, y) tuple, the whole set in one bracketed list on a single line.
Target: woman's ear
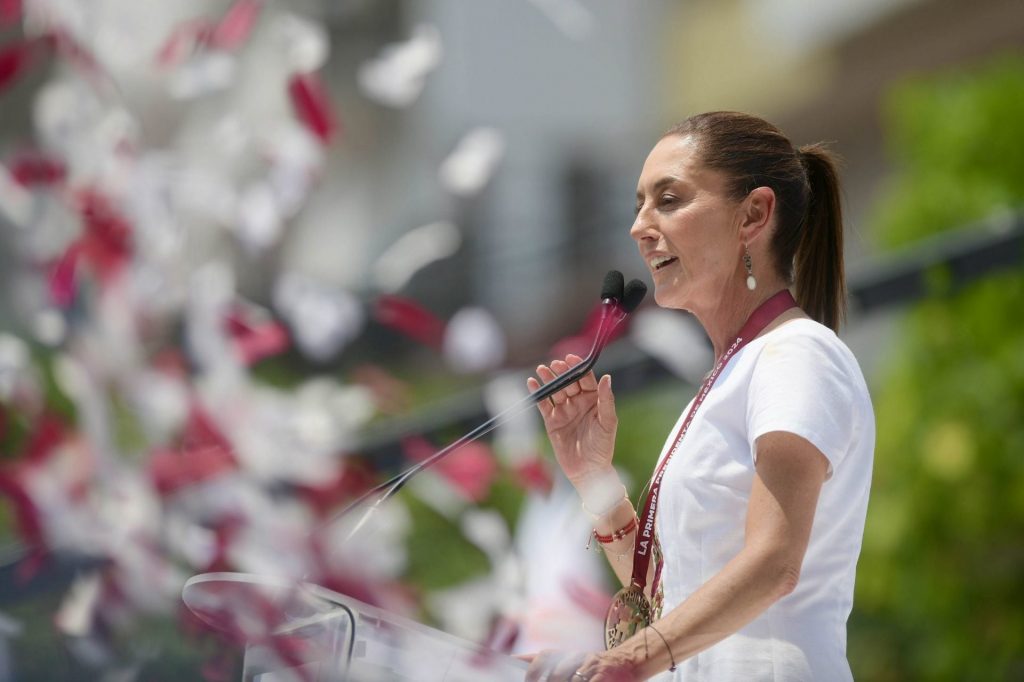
[(757, 213)]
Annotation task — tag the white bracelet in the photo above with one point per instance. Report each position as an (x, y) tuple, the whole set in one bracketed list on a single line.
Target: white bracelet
[(597, 515), (602, 494)]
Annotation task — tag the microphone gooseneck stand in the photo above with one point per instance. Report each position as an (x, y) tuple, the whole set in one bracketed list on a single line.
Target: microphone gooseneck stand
[(617, 302)]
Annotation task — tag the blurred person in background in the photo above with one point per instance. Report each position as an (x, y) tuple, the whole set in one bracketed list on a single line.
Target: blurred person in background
[(740, 563)]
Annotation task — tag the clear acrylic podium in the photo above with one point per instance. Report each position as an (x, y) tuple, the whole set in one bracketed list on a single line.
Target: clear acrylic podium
[(301, 632)]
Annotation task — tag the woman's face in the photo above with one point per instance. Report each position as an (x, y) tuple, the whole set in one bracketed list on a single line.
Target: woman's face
[(686, 227)]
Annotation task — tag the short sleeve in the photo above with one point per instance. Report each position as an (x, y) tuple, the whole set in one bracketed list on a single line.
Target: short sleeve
[(802, 383)]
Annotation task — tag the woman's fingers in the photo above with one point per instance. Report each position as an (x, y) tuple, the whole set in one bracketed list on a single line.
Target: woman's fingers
[(588, 382), (561, 367), (547, 376), (545, 373), (545, 406), (554, 666), (557, 368)]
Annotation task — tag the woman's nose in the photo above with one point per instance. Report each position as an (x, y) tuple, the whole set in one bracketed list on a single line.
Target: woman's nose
[(643, 227)]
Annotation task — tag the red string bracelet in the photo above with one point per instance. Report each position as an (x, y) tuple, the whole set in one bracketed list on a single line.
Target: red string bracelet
[(633, 524)]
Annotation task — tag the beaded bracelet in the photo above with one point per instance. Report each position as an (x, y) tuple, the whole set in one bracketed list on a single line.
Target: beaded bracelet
[(633, 524)]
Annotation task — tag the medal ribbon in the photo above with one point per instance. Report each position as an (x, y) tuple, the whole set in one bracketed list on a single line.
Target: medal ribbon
[(643, 546)]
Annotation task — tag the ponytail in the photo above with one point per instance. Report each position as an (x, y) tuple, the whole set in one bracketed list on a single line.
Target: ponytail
[(818, 262), (807, 245)]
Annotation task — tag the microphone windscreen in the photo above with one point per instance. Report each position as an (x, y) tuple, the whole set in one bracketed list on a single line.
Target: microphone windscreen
[(632, 296), (612, 286)]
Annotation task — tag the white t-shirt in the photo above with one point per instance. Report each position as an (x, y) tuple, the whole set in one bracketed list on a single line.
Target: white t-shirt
[(802, 379)]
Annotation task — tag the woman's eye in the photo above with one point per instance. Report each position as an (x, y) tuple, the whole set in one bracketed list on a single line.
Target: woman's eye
[(667, 199)]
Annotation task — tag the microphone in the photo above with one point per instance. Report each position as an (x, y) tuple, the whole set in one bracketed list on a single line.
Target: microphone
[(613, 312), (617, 301)]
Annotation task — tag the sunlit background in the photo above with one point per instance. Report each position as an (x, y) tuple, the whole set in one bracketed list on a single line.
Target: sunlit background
[(255, 256)]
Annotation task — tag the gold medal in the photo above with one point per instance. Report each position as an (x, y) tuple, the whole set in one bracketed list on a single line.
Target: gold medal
[(629, 613)]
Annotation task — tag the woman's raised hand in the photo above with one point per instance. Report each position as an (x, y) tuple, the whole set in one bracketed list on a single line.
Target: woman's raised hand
[(580, 421)]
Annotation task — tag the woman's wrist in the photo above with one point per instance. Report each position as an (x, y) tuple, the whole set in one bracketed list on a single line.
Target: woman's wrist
[(601, 493)]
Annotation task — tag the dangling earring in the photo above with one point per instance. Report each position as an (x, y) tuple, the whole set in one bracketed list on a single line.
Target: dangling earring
[(751, 282)]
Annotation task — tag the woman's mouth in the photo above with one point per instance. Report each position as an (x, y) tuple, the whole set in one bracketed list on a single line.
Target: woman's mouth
[(659, 262)]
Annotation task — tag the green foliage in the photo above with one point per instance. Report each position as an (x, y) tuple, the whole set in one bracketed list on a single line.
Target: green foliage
[(645, 420), (939, 582), (153, 645), (439, 555)]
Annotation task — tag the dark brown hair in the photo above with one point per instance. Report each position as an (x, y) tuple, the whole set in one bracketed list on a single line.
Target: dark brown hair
[(808, 240)]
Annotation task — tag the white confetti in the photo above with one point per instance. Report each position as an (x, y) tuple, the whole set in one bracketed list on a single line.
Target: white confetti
[(305, 43), (259, 218), (75, 616), (15, 200), (397, 76), (473, 341), (49, 327), (14, 362), (468, 168), (674, 340), (322, 318), (160, 401), (517, 436), (412, 252), (203, 74)]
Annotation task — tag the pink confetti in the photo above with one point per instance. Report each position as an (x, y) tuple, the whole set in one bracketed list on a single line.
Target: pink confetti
[(47, 434), (590, 598), (14, 59), (228, 34), (391, 395), (534, 474), (10, 12), (312, 105), (471, 469), (204, 454), (255, 339), (234, 28), (411, 319), (106, 244), (351, 481), (62, 277), (171, 470), (580, 343), (75, 54), (183, 41), (37, 169)]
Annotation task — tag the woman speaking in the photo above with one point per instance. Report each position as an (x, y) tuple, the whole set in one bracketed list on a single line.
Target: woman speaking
[(739, 562)]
